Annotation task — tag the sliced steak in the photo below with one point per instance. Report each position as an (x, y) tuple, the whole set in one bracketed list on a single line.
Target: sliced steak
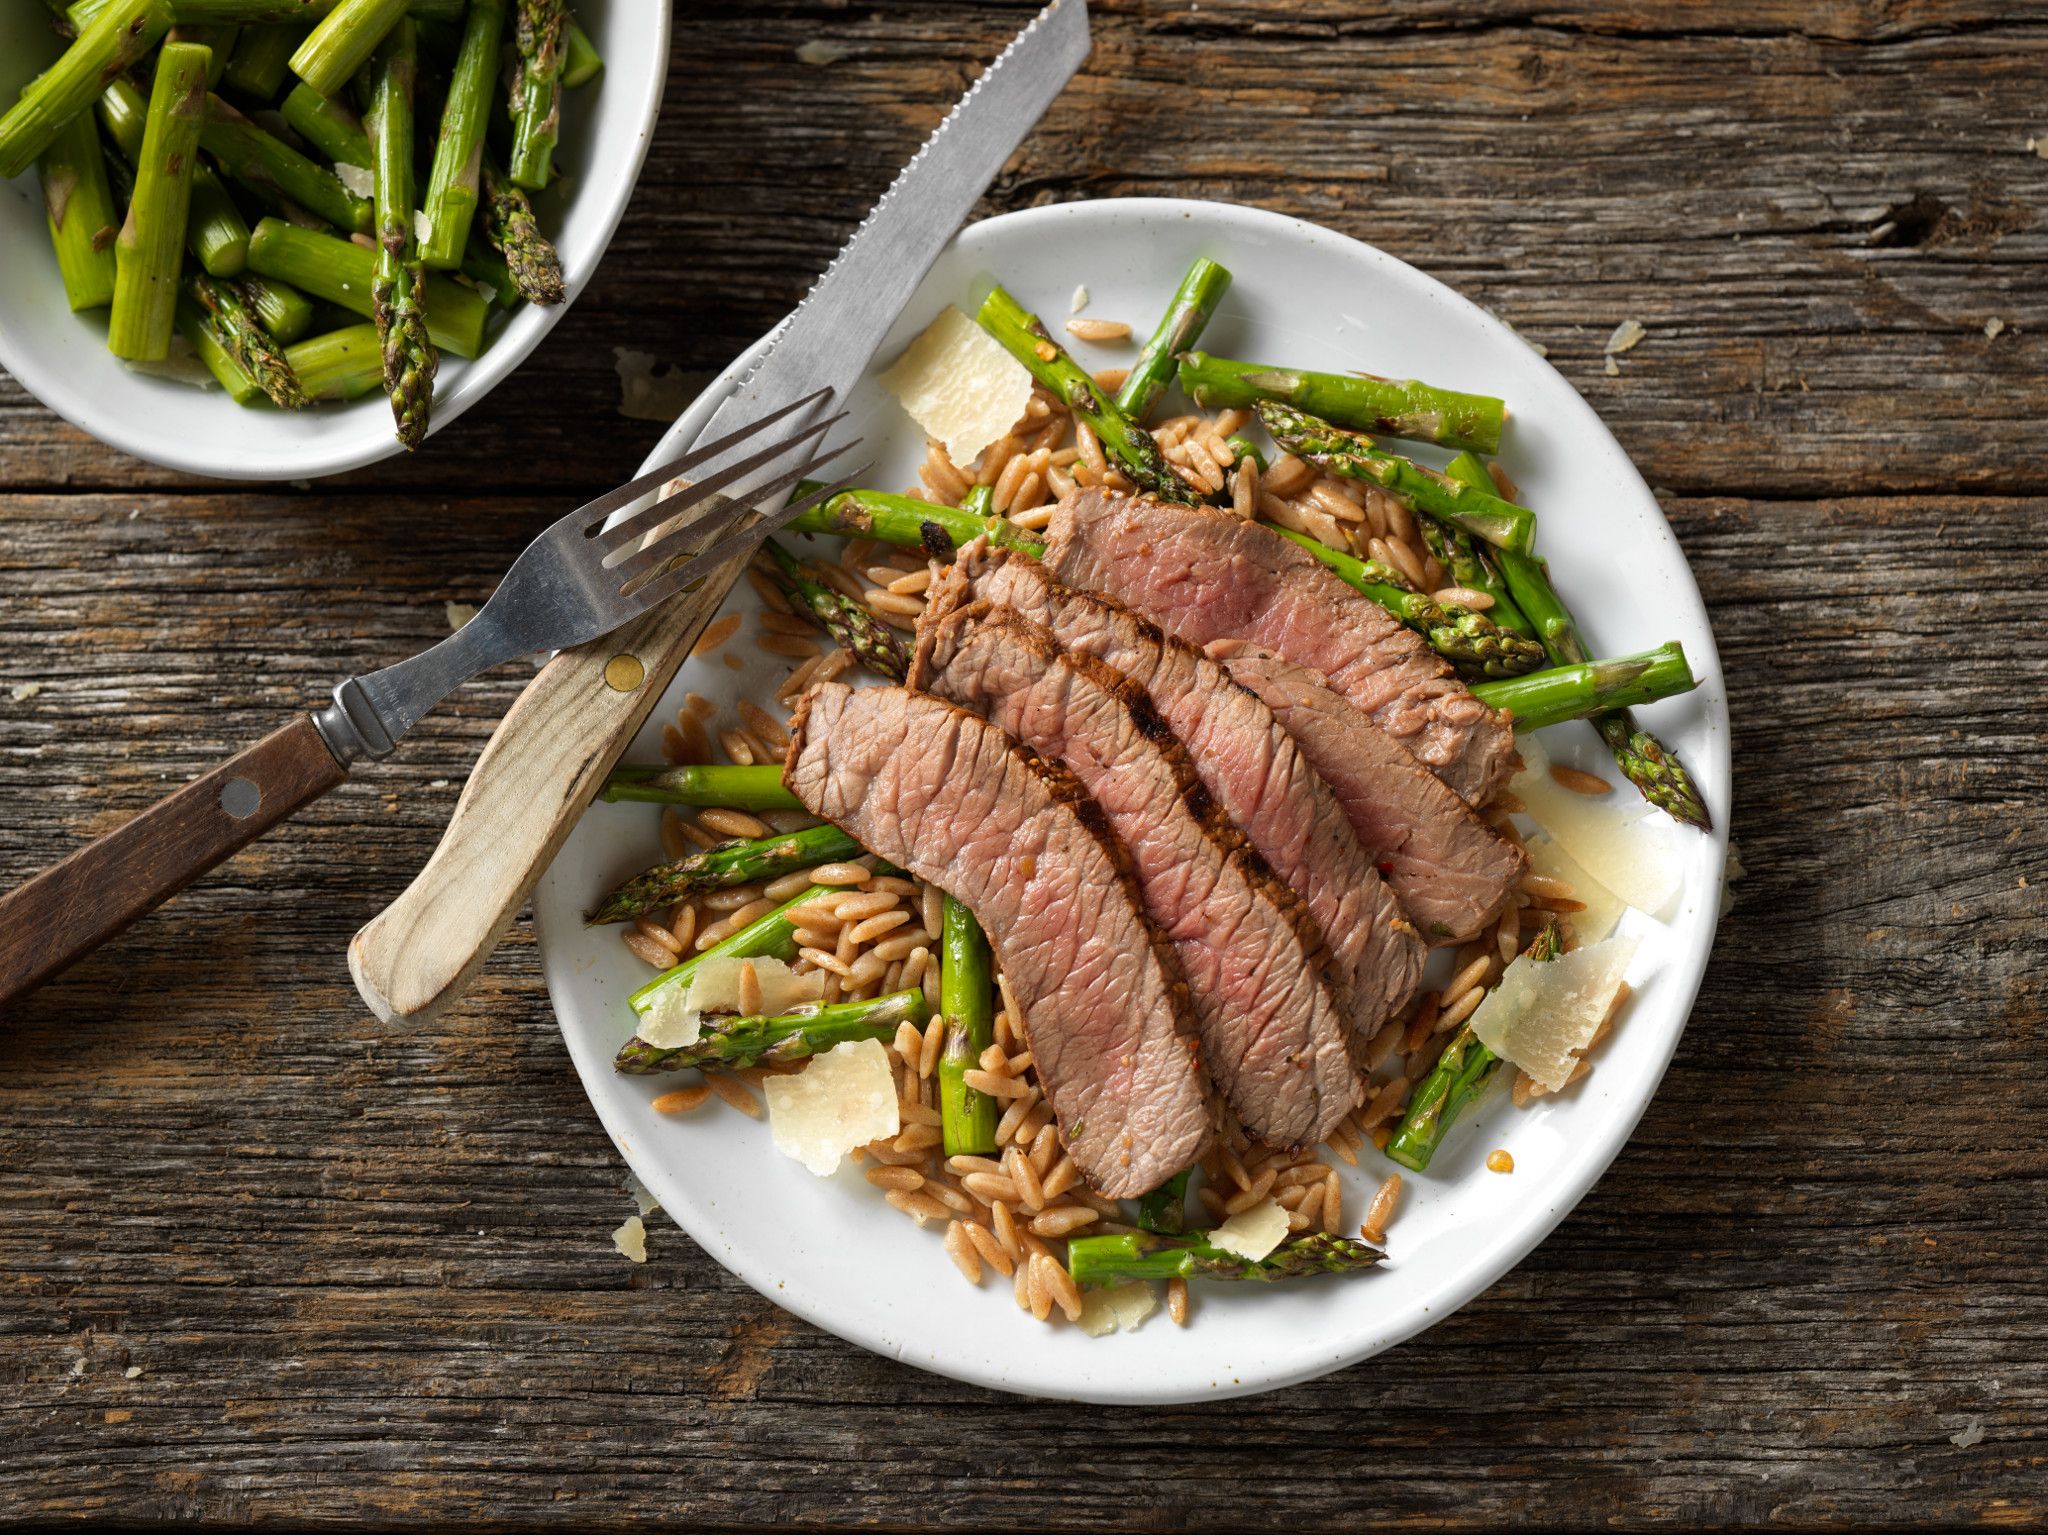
[(1206, 575), (1249, 765), (959, 804), (1451, 872), (1275, 1031)]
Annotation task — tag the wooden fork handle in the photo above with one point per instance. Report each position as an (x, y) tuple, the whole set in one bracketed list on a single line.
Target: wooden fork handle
[(538, 773), (75, 906)]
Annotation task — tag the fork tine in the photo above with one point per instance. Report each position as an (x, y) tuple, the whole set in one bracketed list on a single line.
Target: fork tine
[(700, 534), (590, 516), (675, 507), (663, 587)]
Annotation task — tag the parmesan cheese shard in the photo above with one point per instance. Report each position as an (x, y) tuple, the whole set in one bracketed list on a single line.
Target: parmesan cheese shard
[(676, 1017), (1603, 906), (1543, 1013), (630, 1240), (1122, 1308), (1080, 299), (959, 385), (842, 1099), (1630, 851), (1252, 1233), (356, 179)]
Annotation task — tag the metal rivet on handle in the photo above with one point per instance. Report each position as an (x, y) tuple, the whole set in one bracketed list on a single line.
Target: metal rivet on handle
[(239, 798), (623, 673)]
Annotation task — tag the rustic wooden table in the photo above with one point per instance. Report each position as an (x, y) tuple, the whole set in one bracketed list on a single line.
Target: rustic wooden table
[(263, 1258)]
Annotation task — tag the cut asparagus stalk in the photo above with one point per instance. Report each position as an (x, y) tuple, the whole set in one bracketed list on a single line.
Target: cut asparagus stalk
[(342, 272), (398, 288), (1165, 1209), (1113, 1260), (1574, 692), (280, 308), (536, 99), (581, 62), (343, 41), (979, 500), (515, 234), (456, 180), (340, 365), (215, 36), (722, 784), (1472, 564), (967, 1116), (810, 1028), (1194, 301), (262, 15), (262, 60), (1387, 407), (215, 231), (1351, 456), (80, 206), (151, 246), (1465, 637), (240, 334), (1024, 336), (907, 522), (122, 32), (199, 334), (277, 173), (846, 621), (719, 868), (486, 269), (1460, 1078), (773, 935), (329, 124)]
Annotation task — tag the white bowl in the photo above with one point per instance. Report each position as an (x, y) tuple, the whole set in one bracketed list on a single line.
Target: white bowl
[(62, 358), (830, 1249)]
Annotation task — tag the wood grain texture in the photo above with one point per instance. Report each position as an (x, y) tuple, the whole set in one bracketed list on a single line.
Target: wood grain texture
[(366, 1273)]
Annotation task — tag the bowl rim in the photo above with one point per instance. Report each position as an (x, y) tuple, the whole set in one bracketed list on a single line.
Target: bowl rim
[(340, 450), (1592, 1157)]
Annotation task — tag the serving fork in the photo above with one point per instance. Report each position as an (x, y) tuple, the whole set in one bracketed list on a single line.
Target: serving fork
[(577, 581)]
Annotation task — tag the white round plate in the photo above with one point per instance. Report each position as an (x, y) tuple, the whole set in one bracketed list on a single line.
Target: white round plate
[(830, 1249), (62, 358)]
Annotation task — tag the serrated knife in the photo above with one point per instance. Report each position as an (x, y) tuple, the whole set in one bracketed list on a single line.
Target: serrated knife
[(547, 759)]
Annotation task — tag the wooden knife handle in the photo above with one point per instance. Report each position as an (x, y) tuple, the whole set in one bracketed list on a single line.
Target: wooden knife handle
[(536, 777), (79, 904)]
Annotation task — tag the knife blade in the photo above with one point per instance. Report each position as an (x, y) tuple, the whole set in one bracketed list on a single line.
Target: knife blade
[(549, 755)]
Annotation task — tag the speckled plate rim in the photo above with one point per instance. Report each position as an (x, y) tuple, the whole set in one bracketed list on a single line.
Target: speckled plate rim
[(1475, 1226)]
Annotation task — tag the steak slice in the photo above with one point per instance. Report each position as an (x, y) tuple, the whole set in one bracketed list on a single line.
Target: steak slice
[(1206, 575), (1451, 872), (959, 804), (1249, 765), (1275, 1032)]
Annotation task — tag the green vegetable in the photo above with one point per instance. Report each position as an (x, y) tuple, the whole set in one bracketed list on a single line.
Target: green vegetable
[(215, 231), (1194, 301), (720, 868), (740, 788), (150, 247), (1386, 407), (329, 124), (280, 308), (846, 621), (80, 206), (342, 272), (1573, 692), (340, 365), (199, 334), (906, 522), (398, 286), (343, 41), (536, 89), (1165, 1209), (515, 234), (967, 1116), (240, 334), (1024, 336), (1113, 1260), (810, 1028), (262, 59), (583, 63), (457, 177), (278, 174), (121, 33)]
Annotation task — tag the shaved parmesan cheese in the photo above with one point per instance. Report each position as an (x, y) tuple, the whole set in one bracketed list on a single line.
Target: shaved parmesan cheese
[(1630, 851), (1123, 1308), (1603, 906), (1080, 299), (356, 179), (843, 1099), (630, 1240), (1545, 1011), (1252, 1233), (958, 383), (674, 1017)]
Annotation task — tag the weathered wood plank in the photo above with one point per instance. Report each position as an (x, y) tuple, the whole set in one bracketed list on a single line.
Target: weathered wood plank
[(1726, 177), (368, 1276)]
